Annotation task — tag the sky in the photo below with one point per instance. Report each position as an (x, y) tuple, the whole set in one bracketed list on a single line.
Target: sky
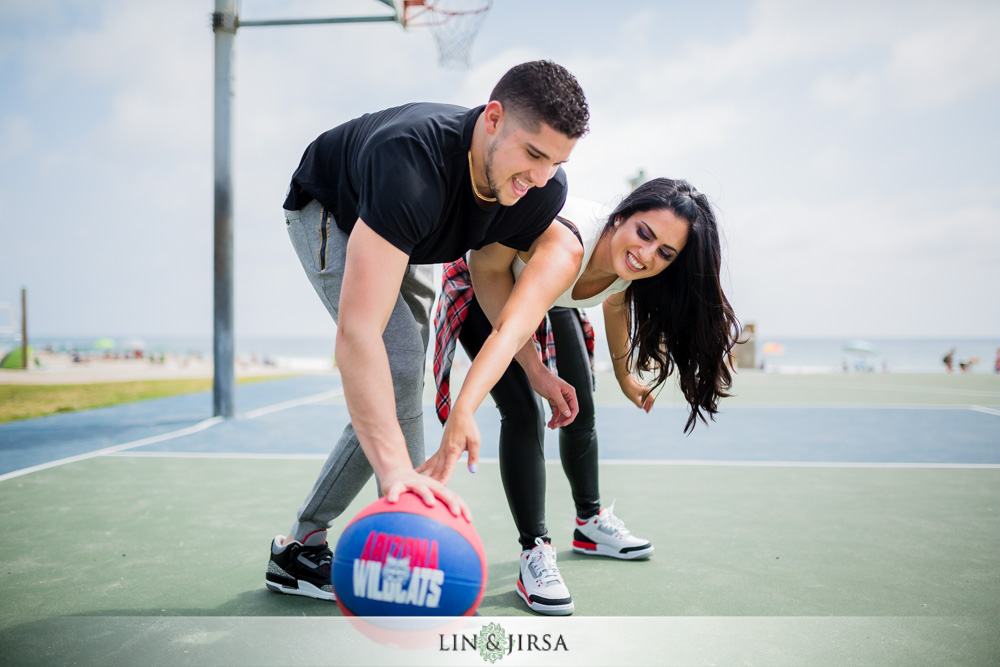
[(850, 149)]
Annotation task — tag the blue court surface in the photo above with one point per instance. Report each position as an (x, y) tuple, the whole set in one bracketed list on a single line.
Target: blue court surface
[(303, 416), (819, 520)]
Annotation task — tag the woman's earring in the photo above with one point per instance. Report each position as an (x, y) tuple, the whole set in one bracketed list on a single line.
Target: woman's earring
[(618, 223)]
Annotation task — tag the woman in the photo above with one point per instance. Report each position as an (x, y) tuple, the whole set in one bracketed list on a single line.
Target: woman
[(654, 263)]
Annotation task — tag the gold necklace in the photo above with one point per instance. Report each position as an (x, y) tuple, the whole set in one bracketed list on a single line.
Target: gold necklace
[(472, 177)]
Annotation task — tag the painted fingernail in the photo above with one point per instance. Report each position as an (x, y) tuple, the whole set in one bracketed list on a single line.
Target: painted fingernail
[(473, 467)]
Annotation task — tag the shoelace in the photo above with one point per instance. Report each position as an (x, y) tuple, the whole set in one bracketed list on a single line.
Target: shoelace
[(321, 555), (545, 557), (607, 517)]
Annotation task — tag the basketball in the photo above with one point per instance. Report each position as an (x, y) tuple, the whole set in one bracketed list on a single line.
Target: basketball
[(408, 559)]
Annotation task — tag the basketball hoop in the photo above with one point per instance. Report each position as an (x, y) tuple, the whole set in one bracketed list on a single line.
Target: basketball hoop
[(454, 24)]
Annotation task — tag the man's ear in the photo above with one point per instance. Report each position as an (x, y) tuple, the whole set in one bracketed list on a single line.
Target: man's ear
[(493, 117)]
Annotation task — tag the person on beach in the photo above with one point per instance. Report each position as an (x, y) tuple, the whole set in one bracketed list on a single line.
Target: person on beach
[(653, 262), (949, 360), (373, 203)]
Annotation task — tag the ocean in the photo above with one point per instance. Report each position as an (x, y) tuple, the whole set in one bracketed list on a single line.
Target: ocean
[(312, 353), (889, 355), (797, 355)]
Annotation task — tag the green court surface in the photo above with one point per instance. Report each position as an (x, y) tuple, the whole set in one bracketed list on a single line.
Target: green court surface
[(158, 559)]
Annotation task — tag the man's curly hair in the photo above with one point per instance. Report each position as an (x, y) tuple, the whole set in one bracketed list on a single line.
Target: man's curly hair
[(543, 92)]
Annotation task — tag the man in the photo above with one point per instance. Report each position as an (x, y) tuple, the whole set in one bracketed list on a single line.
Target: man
[(372, 204)]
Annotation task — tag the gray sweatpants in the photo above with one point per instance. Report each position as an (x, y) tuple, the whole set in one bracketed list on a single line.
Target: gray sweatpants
[(322, 249)]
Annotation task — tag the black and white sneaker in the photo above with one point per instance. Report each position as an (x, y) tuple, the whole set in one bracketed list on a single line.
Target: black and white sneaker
[(606, 535), (540, 585), (297, 569)]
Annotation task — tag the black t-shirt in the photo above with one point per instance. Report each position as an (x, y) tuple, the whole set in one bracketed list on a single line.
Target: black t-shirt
[(405, 172)]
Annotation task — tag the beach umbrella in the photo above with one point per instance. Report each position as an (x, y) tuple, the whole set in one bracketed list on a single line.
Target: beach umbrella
[(861, 347), (104, 344), (13, 358), (772, 348)]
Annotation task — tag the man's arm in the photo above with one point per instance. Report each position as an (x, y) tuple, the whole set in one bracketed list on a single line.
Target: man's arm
[(553, 264), (373, 272)]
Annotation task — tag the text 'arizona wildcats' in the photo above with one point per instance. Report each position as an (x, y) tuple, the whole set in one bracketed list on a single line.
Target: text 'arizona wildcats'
[(398, 569)]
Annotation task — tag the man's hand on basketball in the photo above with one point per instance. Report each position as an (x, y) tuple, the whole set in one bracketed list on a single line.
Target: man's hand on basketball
[(403, 479), (460, 434), (560, 394)]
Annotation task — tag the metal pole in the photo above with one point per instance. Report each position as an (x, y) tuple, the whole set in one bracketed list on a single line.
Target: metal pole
[(24, 328), (347, 19), (224, 26)]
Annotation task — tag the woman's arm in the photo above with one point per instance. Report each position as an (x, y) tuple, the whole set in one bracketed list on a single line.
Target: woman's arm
[(493, 282), (616, 329), (553, 264)]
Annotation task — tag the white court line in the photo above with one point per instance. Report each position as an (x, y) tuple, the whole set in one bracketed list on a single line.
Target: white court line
[(916, 390), (794, 464), (831, 406), (200, 426), (772, 464), (989, 411), (277, 407), (221, 455), (554, 462)]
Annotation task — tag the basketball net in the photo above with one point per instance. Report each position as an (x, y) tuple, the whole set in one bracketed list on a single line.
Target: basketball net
[(454, 24)]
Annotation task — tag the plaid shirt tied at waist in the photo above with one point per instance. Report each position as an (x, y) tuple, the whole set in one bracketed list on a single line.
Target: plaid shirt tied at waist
[(452, 308)]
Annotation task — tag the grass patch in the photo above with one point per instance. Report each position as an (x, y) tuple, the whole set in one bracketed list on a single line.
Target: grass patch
[(25, 401)]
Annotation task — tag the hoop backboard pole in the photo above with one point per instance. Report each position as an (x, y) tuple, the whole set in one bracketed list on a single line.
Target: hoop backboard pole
[(223, 347), (345, 19), (396, 16), (400, 7), (225, 22)]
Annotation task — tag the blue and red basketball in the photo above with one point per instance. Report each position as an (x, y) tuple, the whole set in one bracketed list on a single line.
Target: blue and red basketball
[(408, 559)]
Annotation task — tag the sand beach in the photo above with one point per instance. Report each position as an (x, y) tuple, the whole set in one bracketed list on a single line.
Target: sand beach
[(60, 368)]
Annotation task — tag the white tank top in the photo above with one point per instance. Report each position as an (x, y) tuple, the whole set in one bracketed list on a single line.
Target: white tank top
[(589, 219)]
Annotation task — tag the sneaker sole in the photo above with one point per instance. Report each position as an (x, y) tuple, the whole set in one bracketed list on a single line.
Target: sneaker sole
[(305, 589), (591, 549), (548, 610)]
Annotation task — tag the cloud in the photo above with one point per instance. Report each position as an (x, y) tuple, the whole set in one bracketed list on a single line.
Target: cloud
[(662, 144), (867, 260), (16, 137), (813, 127), (948, 61), (928, 62)]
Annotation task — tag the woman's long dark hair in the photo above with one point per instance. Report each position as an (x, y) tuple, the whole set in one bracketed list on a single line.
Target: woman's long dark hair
[(681, 319)]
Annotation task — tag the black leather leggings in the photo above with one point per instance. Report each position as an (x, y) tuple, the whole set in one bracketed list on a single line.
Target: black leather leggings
[(522, 426)]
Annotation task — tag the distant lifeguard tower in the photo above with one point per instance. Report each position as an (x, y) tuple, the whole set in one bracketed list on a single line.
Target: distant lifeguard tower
[(746, 348)]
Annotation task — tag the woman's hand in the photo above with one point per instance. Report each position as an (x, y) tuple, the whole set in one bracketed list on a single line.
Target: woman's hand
[(560, 394), (460, 434), (635, 390)]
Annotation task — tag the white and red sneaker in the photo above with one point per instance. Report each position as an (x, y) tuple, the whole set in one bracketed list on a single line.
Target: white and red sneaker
[(606, 535), (540, 585)]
